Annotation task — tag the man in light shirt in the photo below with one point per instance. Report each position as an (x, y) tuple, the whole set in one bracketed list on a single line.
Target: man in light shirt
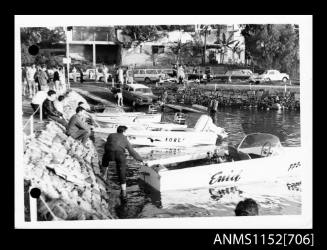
[(38, 99), (105, 73), (30, 80)]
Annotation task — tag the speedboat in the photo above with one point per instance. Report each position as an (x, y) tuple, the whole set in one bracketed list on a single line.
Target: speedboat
[(205, 132), (109, 128), (116, 115), (259, 157)]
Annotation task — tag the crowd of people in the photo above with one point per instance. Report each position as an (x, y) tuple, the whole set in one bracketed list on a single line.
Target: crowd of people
[(42, 78), (79, 126)]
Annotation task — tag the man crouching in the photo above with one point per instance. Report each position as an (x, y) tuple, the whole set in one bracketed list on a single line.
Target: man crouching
[(77, 127), (114, 150)]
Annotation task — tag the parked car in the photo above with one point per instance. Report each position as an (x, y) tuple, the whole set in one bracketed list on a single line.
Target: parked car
[(138, 93), (270, 75), (89, 74), (148, 75), (239, 73)]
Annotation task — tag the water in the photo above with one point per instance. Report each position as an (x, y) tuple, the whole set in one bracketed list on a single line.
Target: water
[(282, 197)]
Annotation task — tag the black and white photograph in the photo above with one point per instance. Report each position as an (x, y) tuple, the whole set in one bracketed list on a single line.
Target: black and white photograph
[(163, 121)]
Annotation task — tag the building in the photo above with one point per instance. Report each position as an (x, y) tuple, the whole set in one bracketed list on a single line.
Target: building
[(106, 45), (94, 44), (230, 51)]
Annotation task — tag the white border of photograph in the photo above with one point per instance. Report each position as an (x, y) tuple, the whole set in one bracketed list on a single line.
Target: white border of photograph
[(285, 221)]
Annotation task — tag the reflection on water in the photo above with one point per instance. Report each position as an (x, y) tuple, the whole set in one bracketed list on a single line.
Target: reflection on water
[(275, 198)]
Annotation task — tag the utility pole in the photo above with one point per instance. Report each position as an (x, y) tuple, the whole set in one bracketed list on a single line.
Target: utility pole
[(67, 29), (205, 45)]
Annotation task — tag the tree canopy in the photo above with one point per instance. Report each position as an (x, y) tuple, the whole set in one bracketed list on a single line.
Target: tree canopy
[(273, 46), (36, 35)]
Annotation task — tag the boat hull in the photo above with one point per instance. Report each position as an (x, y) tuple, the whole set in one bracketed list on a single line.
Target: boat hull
[(164, 138), (223, 174), (128, 118), (109, 128)]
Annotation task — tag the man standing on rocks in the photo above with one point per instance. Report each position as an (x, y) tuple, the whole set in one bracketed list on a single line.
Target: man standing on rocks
[(77, 128), (114, 150)]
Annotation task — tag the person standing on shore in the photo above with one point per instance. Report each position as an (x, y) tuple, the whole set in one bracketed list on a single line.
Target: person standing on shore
[(24, 81), (120, 96), (43, 78), (114, 150), (30, 73), (56, 79), (180, 74), (62, 81), (81, 75), (105, 73), (74, 71), (120, 75)]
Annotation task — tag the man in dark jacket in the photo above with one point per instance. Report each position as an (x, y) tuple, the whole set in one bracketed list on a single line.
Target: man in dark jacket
[(49, 110), (114, 150), (77, 127)]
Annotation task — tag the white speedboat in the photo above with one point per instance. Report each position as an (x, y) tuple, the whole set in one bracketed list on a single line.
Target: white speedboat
[(205, 132), (118, 115), (259, 157), (109, 128)]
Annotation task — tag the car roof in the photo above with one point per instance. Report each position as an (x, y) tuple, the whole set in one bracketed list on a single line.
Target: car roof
[(137, 86)]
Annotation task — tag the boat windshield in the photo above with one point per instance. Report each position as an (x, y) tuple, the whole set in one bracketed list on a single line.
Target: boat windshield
[(261, 144), (259, 140)]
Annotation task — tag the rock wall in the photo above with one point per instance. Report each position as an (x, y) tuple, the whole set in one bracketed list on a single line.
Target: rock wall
[(67, 173)]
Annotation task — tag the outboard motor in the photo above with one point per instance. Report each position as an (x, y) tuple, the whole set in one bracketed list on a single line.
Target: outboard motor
[(205, 124), (202, 123)]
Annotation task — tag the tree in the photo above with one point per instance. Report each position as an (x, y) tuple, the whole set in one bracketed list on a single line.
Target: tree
[(37, 35), (187, 51), (273, 46), (139, 34), (224, 43)]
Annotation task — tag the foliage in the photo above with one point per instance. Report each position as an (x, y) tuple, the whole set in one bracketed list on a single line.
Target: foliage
[(37, 35), (186, 52), (139, 34), (273, 46)]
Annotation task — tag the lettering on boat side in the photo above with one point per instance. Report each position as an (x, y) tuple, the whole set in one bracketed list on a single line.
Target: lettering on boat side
[(170, 139), (221, 177), (294, 165)]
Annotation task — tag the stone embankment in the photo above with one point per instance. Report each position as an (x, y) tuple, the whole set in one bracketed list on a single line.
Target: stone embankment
[(67, 173)]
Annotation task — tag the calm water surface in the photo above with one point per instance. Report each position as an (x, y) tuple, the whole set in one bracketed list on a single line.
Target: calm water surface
[(274, 198)]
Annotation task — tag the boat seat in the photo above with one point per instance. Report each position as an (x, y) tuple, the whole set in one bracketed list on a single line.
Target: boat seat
[(237, 155)]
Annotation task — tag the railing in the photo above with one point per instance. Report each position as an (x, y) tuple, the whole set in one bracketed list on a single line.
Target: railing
[(31, 120), (35, 195)]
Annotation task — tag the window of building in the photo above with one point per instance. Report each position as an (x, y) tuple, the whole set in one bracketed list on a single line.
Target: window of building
[(158, 49)]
